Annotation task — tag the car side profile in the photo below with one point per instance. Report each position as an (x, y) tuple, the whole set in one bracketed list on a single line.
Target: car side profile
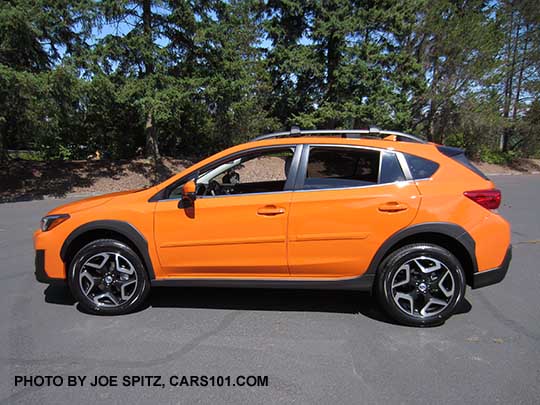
[(411, 222)]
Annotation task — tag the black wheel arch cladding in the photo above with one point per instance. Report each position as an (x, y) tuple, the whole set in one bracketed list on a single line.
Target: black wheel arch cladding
[(447, 229), (123, 228)]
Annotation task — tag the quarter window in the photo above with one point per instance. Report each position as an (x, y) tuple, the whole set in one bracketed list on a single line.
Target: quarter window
[(421, 168)]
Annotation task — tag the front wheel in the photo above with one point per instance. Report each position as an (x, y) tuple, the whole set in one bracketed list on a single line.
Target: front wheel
[(107, 277), (420, 284)]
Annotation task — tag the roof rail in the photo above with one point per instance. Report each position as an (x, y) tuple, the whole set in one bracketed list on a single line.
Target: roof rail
[(372, 132)]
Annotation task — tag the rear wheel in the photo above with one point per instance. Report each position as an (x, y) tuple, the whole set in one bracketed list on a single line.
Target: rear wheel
[(107, 277), (420, 284)]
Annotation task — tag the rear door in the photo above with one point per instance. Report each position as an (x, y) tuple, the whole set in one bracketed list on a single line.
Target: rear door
[(347, 202)]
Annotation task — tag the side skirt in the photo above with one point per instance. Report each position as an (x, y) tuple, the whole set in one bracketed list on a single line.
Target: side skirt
[(361, 283)]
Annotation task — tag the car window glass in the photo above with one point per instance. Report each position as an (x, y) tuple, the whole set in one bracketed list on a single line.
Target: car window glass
[(340, 167), (421, 168), (258, 172), (390, 169)]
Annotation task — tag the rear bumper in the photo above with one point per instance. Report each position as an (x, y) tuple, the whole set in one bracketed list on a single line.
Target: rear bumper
[(39, 272), (493, 276)]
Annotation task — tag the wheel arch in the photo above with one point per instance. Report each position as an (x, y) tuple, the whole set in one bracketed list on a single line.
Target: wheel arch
[(107, 229), (447, 235)]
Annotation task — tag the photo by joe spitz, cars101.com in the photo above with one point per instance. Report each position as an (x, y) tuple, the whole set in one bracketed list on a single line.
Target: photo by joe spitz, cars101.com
[(409, 221)]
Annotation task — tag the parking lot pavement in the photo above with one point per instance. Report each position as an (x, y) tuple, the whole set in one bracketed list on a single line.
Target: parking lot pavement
[(315, 347)]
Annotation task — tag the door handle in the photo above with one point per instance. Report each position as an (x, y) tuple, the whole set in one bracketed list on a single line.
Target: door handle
[(393, 206), (270, 210)]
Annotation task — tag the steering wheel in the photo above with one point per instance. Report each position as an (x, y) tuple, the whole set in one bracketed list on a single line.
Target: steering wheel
[(214, 188), (232, 177)]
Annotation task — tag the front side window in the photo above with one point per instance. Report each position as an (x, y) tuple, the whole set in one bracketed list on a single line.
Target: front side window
[(261, 171)]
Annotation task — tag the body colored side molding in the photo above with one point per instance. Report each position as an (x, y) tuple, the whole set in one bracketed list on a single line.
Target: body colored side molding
[(448, 229), (124, 228)]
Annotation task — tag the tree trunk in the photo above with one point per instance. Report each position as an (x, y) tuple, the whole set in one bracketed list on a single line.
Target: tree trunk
[(509, 83), (520, 75), (432, 102), (148, 37), (2, 149), (332, 63), (152, 149), (150, 130)]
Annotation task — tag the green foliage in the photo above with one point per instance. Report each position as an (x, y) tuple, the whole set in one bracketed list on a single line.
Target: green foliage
[(193, 77), (498, 157)]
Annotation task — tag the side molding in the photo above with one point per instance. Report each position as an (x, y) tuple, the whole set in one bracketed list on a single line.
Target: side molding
[(360, 283), (449, 229), (124, 228)]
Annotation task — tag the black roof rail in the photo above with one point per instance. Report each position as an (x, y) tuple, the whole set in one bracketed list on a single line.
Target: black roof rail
[(372, 132)]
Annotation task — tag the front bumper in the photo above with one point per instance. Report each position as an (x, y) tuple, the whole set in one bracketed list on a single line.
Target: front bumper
[(493, 276), (39, 271)]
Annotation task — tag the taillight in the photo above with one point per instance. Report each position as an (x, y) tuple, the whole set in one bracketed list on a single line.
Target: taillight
[(490, 199)]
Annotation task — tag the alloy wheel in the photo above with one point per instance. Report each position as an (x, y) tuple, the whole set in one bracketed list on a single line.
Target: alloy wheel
[(423, 287), (108, 279)]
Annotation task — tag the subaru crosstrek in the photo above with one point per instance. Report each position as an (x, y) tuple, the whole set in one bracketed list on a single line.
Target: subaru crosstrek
[(381, 211)]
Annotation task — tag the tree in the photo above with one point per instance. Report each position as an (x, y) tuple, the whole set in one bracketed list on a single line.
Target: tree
[(190, 77), (520, 57), (136, 56), (35, 37), (456, 43)]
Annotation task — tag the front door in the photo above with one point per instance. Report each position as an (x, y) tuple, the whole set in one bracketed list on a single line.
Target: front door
[(350, 201), (237, 226)]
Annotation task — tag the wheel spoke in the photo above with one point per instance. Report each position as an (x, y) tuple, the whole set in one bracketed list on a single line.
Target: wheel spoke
[(432, 301), (108, 295), (85, 275), (405, 268), (123, 286), (105, 258), (123, 269), (447, 292), (407, 297), (436, 265)]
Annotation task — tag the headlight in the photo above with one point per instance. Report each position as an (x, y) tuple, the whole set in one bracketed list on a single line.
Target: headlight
[(50, 221)]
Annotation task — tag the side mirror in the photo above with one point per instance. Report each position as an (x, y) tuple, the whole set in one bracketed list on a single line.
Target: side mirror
[(189, 195)]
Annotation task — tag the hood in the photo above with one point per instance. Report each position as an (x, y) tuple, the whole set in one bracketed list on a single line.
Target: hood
[(86, 203)]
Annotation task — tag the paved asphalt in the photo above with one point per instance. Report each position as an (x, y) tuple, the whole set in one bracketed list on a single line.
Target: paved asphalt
[(315, 347)]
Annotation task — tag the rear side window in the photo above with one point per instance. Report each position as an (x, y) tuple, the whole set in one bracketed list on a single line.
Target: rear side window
[(421, 168), (341, 167), (459, 156)]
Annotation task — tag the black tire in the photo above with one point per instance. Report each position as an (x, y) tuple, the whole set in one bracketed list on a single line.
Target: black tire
[(120, 255), (407, 298)]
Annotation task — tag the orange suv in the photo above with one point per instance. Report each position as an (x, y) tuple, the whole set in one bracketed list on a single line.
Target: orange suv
[(380, 211)]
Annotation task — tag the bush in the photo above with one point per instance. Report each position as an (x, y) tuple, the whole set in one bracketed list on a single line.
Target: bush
[(498, 157)]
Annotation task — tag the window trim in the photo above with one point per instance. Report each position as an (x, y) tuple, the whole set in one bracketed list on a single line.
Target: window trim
[(289, 184), (302, 167), (404, 166)]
